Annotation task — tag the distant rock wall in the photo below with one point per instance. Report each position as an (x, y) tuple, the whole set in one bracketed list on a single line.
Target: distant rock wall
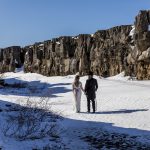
[(139, 58), (103, 52), (106, 52), (10, 58)]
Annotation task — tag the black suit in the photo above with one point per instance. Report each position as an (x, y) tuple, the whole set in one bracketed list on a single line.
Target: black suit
[(91, 87)]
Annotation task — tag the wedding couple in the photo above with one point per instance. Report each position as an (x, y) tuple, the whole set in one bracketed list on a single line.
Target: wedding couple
[(90, 89)]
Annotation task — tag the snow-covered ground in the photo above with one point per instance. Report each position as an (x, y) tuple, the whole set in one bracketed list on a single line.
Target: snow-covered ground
[(123, 108)]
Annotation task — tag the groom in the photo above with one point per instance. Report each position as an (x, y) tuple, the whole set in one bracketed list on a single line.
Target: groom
[(91, 87)]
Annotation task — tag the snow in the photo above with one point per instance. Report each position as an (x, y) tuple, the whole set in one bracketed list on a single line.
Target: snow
[(75, 37), (132, 31), (58, 43), (31, 46), (16, 62), (20, 70), (41, 45), (123, 106), (26, 53), (92, 35)]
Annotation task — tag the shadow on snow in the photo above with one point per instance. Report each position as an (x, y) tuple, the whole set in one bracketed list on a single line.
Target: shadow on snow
[(122, 111), (18, 87), (86, 128)]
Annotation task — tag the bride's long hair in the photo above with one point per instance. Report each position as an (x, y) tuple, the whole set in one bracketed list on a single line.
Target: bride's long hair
[(76, 80)]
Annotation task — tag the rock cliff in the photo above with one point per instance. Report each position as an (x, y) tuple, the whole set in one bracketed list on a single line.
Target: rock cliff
[(139, 57), (10, 58), (103, 52), (106, 52)]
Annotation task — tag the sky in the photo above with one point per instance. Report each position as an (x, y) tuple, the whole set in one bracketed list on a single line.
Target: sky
[(24, 22)]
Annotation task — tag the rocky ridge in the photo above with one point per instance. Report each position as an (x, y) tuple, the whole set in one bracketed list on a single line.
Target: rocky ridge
[(106, 52)]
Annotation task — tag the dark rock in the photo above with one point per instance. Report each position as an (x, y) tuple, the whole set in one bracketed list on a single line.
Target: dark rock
[(2, 82), (139, 58), (104, 53), (10, 58)]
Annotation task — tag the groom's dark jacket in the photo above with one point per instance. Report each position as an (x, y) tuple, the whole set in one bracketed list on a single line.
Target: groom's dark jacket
[(91, 87)]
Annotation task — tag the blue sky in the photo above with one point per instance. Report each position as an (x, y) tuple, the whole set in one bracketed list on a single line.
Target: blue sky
[(25, 22)]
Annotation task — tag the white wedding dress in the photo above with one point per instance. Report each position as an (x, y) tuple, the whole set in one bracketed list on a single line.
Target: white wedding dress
[(77, 96)]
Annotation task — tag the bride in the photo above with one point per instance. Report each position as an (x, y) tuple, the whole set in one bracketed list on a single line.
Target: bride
[(77, 87)]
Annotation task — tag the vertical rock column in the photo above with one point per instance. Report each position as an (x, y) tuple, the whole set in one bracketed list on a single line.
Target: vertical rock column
[(141, 51), (10, 58)]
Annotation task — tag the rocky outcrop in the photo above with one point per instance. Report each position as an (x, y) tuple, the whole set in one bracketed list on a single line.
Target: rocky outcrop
[(109, 50), (61, 56), (139, 58), (106, 52), (50, 57), (103, 53), (10, 58)]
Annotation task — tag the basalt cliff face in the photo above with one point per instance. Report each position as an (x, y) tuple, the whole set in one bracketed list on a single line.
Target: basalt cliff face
[(103, 52), (139, 57), (106, 52), (10, 58)]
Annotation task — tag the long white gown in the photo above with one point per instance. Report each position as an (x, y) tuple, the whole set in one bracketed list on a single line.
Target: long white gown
[(77, 96)]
